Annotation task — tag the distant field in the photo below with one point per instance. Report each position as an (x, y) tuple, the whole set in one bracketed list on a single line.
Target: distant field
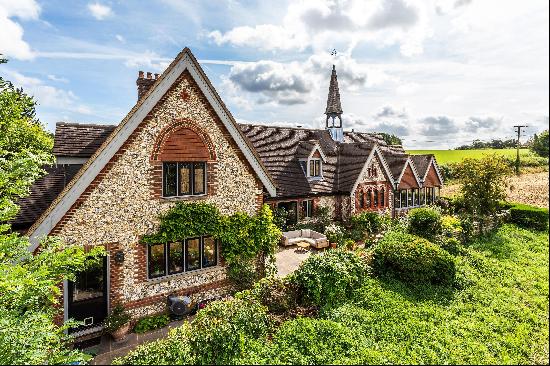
[(453, 156)]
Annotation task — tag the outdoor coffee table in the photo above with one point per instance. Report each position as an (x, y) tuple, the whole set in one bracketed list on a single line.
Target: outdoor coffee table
[(303, 245)]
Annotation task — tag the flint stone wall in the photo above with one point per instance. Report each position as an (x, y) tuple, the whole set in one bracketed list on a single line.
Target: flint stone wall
[(121, 207)]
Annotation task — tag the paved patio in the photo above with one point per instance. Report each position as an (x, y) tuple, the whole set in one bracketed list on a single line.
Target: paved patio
[(108, 350), (289, 258)]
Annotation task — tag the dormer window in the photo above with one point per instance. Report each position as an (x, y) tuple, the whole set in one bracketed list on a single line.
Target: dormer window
[(314, 168)]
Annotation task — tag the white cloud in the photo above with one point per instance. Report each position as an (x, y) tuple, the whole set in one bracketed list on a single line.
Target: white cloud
[(120, 38), (325, 24), (100, 11), (57, 79), (48, 96), (11, 36)]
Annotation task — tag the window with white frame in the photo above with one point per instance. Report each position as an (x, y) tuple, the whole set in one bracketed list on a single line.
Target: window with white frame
[(315, 168), (307, 208)]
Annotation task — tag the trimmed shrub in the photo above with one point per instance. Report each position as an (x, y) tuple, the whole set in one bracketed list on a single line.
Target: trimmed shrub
[(222, 330), (331, 277), (151, 322), (413, 260), (172, 350), (451, 226), (529, 217), (424, 222)]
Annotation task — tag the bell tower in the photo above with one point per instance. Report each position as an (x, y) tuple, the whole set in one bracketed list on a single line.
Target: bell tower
[(334, 109)]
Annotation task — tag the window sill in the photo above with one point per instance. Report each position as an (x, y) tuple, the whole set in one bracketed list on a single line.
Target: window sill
[(314, 179), (183, 275), (185, 198)]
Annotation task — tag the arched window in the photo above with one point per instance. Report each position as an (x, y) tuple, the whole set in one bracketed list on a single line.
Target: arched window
[(182, 155), (375, 200), (361, 200), (369, 198)]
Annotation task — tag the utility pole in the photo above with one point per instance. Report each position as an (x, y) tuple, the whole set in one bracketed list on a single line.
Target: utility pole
[(518, 130)]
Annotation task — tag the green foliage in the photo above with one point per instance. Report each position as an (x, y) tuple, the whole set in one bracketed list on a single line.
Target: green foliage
[(413, 259), (483, 183), (390, 139), (30, 292), (25, 147), (172, 350), (499, 316), (367, 223), (305, 341), (529, 217), (151, 322), (279, 295), (330, 278), (334, 233), (117, 318), (247, 242), (540, 144), (186, 220), (425, 222), (223, 329)]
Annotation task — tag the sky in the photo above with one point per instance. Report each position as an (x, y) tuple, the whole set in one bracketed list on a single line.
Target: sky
[(437, 73)]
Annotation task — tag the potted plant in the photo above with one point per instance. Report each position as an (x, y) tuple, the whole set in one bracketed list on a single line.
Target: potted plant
[(118, 323), (334, 234)]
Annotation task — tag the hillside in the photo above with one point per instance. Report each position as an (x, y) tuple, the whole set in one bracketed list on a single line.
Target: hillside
[(453, 156)]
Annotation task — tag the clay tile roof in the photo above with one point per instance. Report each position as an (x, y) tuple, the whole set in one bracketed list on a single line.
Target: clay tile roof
[(43, 191), (333, 99), (281, 148), (352, 160), (79, 140), (421, 162), (396, 163)]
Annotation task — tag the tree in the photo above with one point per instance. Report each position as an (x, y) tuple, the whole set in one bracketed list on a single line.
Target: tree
[(483, 183), (390, 139), (540, 144), (29, 284)]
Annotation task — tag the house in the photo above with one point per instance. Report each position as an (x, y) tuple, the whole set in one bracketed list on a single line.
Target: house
[(180, 143)]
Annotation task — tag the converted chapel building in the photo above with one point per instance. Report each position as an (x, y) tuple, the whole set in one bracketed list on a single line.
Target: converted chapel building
[(180, 143)]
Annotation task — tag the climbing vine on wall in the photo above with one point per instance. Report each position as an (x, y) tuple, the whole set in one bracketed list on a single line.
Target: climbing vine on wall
[(248, 242)]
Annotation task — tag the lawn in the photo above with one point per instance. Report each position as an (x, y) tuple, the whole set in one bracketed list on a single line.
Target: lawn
[(454, 156), (496, 313), (499, 315)]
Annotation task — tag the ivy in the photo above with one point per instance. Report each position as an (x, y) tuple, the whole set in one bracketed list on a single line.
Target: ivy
[(186, 220), (245, 239)]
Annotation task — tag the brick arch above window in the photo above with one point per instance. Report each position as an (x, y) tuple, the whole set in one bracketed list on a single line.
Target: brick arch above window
[(183, 141)]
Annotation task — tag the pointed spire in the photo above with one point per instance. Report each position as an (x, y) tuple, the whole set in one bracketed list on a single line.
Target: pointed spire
[(334, 107)]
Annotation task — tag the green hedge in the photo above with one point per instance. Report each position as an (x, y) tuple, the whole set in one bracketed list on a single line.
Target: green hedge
[(413, 259), (331, 277), (529, 217), (425, 222)]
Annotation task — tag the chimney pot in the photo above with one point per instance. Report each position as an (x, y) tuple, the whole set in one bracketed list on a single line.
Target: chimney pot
[(149, 75), (156, 76), (140, 74)]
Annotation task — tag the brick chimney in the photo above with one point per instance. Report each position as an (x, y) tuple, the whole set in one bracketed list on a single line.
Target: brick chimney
[(145, 83)]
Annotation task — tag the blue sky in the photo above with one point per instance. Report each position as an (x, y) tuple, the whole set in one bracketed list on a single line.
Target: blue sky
[(438, 73)]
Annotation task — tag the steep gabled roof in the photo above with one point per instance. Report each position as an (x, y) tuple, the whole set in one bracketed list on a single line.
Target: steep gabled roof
[(43, 192), (184, 61), (282, 148), (79, 140)]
